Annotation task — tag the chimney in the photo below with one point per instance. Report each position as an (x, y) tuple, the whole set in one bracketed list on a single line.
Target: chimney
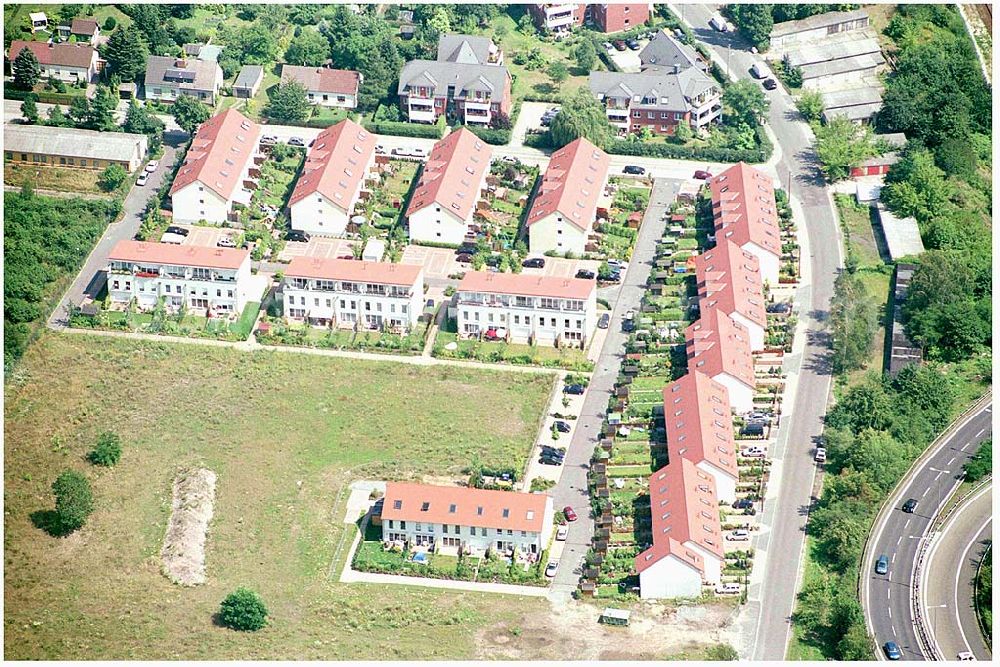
[(677, 68), (181, 63)]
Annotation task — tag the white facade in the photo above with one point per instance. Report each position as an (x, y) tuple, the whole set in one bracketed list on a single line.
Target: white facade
[(559, 17), (437, 224), (332, 100), (770, 264), (344, 304), (725, 484), (199, 290), (755, 330), (168, 91), (670, 577), (740, 394), (68, 74), (543, 320), (196, 202), (555, 233), (316, 214)]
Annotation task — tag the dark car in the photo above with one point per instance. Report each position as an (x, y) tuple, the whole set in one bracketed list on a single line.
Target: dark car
[(549, 461), (534, 263), (702, 175), (628, 326), (552, 451), (466, 249), (635, 170), (463, 258), (620, 44), (604, 321), (576, 389), (632, 44), (770, 84), (296, 235), (180, 231), (780, 307), (892, 651), (910, 505), (561, 426), (584, 274), (742, 504), (680, 35), (555, 458), (882, 564)]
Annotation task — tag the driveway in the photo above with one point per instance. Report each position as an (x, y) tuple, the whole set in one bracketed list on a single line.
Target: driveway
[(628, 60), (530, 118)]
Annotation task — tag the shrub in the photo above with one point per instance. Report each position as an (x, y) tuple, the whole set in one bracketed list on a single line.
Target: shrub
[(495, 137), (243, 610), (109, 24), (401, 129), (108, 450), (74, 500), (112, 177)]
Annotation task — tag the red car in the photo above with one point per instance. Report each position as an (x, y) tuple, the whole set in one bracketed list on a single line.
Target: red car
[(702, 175), (570, 514)]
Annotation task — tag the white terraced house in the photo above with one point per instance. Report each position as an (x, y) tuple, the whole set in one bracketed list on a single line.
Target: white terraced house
[(540, 309), (345, 293), (209, 281)]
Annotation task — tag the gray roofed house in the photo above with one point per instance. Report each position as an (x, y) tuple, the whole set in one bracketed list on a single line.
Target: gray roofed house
[(664, 51), (654, 98), (436, 78), (248, 81), (64, 146), (167, 77), (468, 50)]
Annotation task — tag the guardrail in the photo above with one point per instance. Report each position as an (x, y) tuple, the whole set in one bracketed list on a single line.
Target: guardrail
[(891, 497)]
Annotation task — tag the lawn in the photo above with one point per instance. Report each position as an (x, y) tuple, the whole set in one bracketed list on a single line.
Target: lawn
[(855, 219), (18, 15), (389, 197), (549, 356), (284, 433), (52, 178)]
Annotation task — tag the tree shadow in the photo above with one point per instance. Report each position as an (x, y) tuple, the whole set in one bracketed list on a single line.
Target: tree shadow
[(49, 521), (544, 88)]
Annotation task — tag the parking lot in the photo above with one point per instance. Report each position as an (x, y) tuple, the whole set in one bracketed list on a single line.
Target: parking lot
[(627, 60), (318, 246)]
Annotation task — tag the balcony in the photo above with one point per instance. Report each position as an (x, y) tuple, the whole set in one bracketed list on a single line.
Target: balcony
[(421, 114), (477, 117)]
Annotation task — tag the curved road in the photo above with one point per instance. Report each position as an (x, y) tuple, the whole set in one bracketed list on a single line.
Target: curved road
[(887, 598), (948, 592)]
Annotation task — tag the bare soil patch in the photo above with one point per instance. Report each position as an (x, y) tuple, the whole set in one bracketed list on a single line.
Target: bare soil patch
[(183, 551)]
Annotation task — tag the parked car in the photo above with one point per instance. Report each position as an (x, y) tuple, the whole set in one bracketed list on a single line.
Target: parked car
[(753, 452), (702, 175), (463, 258), (780, 307), (268, 140), (742, 503), (882, 564), (466, 248), (379, 149), (718, 23), (493, 260), (561, 426), (680, 35), (731, 588), (152, 165), (575, 389), (143, 177), (180, 231), (345, 257), (910, 505), (297, 236), (620, 44), (226, 242), (549, 461), (550, 569), (604, 321), (739, 535), (497, 333), (760, 70), (632, 44), (966, 656), (561, 532), (584, 274), (570, 514), (609, 47), (296, 141), (429, 304), (892, 651), (820, 455), (770, 84), (553, 451), (534, 263), (628, 326), (635, 170)]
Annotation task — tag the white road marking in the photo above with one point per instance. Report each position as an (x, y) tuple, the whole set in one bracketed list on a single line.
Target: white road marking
[(906, 525), (965, 445), (925, 491), (981, 431), (893, 630), (951, 461), (888, 593), (894, 555), (889, 609), (898, 540)]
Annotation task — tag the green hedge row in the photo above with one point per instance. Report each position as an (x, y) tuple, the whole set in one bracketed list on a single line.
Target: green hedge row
[(400, 129), (44, 97), (638, 148), (490, 135)]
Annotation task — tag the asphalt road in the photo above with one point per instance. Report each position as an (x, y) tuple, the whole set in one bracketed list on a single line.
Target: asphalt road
[(572, 487), (887, 599), (947, 591), (782, 535)]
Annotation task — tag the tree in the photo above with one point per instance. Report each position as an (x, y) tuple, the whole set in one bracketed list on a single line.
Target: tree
[(525, 24), (745, 104), (380, 64), (288, 103), (112, 176), (810, 105), (243, 610), (439, 23), (56, 118), (841, 145), (151, 20), (980, 465), (580, 116), (29, 108), (101, 111), (721, 652), (254, 44), (853, 321), (69, 12), (74, 500), (558, 72), (189, 113), (26, 69), (585, 55), (139, 121), (109, 24), (310, 48), (916, 186), (108, 449), (683, 132), (754, 21), (126, 53)]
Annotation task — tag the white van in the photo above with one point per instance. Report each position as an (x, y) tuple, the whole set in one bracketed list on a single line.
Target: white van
[(717, 22), (760, 70)]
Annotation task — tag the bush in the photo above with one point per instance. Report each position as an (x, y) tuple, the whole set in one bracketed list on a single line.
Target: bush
[(674, 151), (74, 500), (243, 610), (112, 177), (491, 136), (109, 24), (108, 450)]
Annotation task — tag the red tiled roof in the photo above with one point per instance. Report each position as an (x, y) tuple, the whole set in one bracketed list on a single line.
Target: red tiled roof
[(66, 54), (525, 285), (383, 273), (729, 279), (83, 27), (178, 255), (744, 208), (699, 422), (716, 344), (685, 510), (572, 184), (452, 175), (323, 79), (463, 506), (220, 150), (336, 165)]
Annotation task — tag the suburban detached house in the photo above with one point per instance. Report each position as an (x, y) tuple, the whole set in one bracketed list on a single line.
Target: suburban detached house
[(471, 520), (85, 31), (326, 86), (720, 348), (729, 279), (535, 309), (666, 52), (467, 82), (66, 147), (219, 169), (699, 427), (746, 213), (167, 77), (444, 201), (67, 62), (687, 549), (350, 294), (206, 281), (248, 81), (606, 17), (334, 174), (658, 98), (564, 210)]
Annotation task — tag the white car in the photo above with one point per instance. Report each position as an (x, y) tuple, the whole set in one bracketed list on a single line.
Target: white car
[(152, 165), (738, 535), (753, 452), (820, 455), (562, 532), (268, 140), (550, 569), (143, 177), (717, 23), (966, 656)]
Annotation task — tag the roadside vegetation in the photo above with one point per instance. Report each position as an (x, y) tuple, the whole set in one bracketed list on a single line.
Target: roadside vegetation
[(984, 595)]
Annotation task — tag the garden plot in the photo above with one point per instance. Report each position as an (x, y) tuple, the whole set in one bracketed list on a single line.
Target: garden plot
[(386, 203), (622, 218), (509, 188), (183, 552)]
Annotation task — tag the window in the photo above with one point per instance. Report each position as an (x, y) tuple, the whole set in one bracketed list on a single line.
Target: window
[(452, 508), (390, 523), (397, 504), (506, 513), (444, 528), (402, 525), (418, 527)]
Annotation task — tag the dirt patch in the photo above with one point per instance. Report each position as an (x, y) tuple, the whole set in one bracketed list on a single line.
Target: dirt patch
[(656, 632), (183, 553)]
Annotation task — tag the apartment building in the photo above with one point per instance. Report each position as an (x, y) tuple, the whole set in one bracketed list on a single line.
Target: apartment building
[(538, 309), (326, 86), (467, 93), (346, 293), (729, 279), (66, 147), (333, 177), (558, 16), (687, 549), (720, 348), (168, 77), (699, 427), (618, 17), (562, 215), (469, 50), (444, 201), (207, 281), (745, 213), (658, 99), (219, 170), (64, 61), (467, 519)]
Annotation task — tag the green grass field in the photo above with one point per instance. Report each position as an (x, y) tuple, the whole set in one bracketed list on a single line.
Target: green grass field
[(284, 433)]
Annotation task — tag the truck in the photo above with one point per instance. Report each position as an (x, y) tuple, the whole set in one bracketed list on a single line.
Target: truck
[(760, 70), (717, 22)]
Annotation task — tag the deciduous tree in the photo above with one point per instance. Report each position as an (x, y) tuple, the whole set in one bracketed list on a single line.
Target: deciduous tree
[(189, 113)]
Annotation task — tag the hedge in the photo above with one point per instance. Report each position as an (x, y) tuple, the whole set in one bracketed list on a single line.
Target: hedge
[(660, 150), (45, 97), (401, 129), (490, 135)]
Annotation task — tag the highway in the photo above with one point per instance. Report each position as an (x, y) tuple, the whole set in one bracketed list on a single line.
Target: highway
[(887, 599), (781, 540)]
